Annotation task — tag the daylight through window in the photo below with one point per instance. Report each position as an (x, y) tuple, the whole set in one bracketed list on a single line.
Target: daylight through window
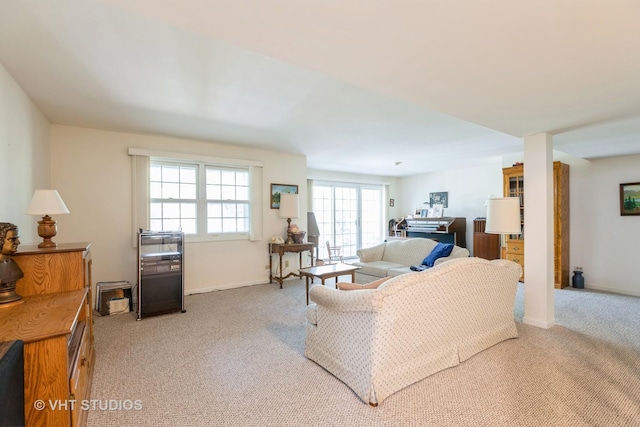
[(203, 200)]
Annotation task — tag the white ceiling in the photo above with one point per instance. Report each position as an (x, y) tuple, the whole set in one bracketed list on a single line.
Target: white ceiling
[(355, 85)]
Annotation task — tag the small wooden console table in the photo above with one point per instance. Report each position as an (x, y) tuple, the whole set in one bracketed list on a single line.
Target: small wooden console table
[(281, 249)]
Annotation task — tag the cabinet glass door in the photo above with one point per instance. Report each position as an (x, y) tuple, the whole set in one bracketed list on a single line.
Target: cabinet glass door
[(516, 189)]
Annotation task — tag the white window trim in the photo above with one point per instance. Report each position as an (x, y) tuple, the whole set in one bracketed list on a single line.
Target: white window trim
[(170, 155), (140, 191)]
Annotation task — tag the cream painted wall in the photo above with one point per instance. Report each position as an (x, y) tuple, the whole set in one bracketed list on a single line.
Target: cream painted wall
[(468, 190), (93, 171), (24, 156), (604, 243)]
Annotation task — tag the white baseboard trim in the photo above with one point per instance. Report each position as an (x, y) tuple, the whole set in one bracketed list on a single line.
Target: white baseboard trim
[(622, 291), (538, 323)]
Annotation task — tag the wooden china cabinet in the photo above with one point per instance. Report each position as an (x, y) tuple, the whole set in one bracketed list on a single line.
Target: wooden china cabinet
[(514, 180), (55, 321)]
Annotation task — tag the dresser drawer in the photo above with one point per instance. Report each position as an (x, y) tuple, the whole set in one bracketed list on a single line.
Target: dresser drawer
[(79, 377), (517, 258), (515, 247)]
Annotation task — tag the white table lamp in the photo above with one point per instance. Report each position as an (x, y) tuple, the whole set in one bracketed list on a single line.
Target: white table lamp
[(503, 216), (45, 203)]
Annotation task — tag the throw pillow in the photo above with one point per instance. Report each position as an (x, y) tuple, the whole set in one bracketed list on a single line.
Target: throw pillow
[(345, 286), (441, 250)]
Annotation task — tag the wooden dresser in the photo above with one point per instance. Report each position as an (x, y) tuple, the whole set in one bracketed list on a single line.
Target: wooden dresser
[(485, 245), (55, 321), (514, 250)]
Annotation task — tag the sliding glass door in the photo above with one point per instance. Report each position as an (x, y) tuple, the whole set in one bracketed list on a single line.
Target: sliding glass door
[(349, 216)]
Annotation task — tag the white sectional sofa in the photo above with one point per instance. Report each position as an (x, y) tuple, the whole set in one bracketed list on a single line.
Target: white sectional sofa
[(378, 341), (396, 257)]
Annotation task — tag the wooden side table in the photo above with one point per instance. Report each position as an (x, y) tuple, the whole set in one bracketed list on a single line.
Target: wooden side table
[(281, 249), (328, 271)]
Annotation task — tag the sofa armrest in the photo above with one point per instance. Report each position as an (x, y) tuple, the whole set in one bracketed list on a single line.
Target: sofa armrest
[(344, 301), (373, 253), (457, 252)]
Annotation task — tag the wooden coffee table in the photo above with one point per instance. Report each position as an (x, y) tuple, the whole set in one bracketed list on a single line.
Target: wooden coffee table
[(327, 271)]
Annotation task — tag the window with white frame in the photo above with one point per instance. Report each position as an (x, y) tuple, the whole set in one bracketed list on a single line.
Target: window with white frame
[(227, 200), (205, 201)]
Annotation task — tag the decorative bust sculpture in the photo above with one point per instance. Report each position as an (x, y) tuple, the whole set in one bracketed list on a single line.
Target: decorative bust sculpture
[(9, 270)]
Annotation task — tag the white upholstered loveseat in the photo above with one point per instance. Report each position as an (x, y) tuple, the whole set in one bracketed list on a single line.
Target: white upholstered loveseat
[(378, 341), (396, 257)]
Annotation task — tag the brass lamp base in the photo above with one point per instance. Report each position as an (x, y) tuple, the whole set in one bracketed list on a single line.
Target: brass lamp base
[(47, 228), (289, 240), (9, 298)]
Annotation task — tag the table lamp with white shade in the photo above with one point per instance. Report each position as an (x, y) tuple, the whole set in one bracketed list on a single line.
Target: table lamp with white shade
[(289, 208), (46, 203), (503, 215)]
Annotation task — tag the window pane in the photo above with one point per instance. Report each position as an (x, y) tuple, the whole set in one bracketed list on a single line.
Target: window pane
[(156, 224), (171, 210), (229, 225), (228, 192), (170, 224), (228, 177), (170, 191), (155, 190), (214, 192), (170, 173), (243, 225), (188, 191), (242, 193), (214, 210), (229, 210), (155, 173), (189, 226), (242, 178), (243, 210), (188, 174), (156, 210), (214, 225), (213, 176), (188, 210)]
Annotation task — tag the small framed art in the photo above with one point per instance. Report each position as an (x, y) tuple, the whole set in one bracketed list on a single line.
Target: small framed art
[(439, 198), (630, 198), (277, 190)]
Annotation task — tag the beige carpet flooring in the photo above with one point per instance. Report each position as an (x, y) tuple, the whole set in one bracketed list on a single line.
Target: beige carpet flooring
[(235, 358)]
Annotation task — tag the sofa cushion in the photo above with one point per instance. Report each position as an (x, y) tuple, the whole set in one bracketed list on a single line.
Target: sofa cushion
[(393, 272), (441, 250), (376, 268), (409, 251), (345, 286)]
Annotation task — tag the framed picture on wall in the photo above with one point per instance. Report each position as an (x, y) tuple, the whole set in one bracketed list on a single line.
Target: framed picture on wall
[(630, 198), (439, 198), (277, 190)]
